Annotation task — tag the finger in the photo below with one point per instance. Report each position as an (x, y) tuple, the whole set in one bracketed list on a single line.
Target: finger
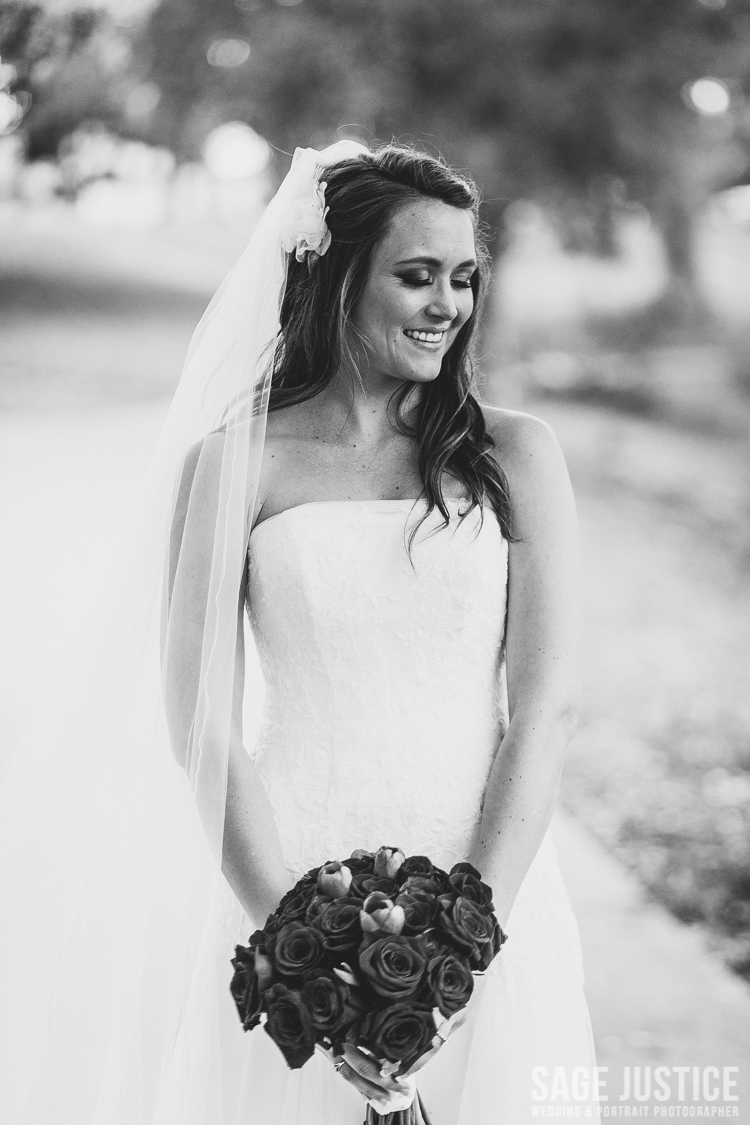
[(457, 1020), (366, 1088), (368, 1068)]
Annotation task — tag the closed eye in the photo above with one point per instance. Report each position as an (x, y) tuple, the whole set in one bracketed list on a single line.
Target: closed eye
[(420, 282)]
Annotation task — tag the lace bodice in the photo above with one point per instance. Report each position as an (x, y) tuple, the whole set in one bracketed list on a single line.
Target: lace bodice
[(385, 696)]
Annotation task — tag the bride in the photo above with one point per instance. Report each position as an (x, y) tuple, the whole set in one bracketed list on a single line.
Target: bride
[(406, 560)]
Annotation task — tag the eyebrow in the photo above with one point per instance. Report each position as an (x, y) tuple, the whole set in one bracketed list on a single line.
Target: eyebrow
[(436, 262)]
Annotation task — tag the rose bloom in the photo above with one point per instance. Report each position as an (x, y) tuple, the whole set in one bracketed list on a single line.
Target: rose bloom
[(394, 966), (366, 883), (435, 884), (295, 950), (252, 974), (450, 982), (398, 1033), (289, 1024), (332, 1004), (466, 880), (361, 862), (420, 910), (339, 924), (465, 926), (417, 865)]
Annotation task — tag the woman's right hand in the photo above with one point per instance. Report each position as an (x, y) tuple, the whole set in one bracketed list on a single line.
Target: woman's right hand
[(383, 1092)]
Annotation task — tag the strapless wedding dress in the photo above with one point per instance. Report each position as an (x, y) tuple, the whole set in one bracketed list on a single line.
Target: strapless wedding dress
[(385, 704)]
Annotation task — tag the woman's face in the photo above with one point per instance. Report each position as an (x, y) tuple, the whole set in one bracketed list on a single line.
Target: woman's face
[(418, 294)]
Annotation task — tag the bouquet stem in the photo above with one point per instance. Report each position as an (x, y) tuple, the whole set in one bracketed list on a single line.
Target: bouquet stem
[(416, 1114)]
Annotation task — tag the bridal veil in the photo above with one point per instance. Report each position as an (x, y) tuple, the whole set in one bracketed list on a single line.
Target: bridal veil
[(110, 882)]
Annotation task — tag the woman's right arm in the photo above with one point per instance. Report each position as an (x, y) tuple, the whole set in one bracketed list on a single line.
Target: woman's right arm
[(252, 859)]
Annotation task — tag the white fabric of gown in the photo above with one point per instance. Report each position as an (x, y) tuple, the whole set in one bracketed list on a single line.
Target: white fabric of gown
[(385, 704)]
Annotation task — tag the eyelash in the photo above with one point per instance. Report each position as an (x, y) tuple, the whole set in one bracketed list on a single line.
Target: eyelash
[(418, 283)]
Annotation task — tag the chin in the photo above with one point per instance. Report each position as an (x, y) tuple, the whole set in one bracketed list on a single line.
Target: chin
[(423, 374)]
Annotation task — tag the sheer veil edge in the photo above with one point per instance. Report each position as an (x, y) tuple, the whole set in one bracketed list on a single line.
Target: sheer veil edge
[(115, 921)]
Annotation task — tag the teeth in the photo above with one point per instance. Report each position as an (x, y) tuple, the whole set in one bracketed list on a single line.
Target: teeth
[(425, 337)]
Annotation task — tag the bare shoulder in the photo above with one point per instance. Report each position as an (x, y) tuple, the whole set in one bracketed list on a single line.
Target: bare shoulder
[(524, 444), (529, 454)]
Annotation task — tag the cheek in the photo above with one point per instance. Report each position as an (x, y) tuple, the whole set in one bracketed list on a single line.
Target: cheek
[(465, 306), (400, 306)]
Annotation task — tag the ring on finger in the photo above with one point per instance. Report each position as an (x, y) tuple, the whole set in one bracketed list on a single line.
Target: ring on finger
[(339, 1065)]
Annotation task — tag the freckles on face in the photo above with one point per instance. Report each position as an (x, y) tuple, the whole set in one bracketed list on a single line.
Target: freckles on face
[(418, 294)]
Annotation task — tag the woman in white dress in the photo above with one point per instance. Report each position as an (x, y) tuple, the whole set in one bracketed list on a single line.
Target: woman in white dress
[(409, 550), (407, 559)]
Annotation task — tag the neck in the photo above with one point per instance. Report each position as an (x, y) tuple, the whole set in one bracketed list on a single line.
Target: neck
[(359, 412)]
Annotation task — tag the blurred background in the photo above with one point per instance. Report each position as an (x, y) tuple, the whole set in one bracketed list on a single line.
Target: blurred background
[(611, 140)]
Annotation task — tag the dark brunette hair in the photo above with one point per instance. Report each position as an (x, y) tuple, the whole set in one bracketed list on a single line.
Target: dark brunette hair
[(321, 296)]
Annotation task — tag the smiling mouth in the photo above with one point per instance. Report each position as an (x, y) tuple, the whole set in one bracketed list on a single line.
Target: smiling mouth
[(429, 338)]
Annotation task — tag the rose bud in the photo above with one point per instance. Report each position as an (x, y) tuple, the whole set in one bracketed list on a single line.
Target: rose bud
[(379, 915), (388, 861), (335, 879)]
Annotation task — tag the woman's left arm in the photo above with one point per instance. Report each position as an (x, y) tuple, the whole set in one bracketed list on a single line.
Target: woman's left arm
[(542, 648)]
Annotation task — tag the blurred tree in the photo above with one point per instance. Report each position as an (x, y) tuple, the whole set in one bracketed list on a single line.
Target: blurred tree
[(578, 105), (71, 68)]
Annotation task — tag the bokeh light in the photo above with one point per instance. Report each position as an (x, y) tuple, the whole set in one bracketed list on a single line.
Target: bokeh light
[(228, 52), (709, 96), (234, 151)]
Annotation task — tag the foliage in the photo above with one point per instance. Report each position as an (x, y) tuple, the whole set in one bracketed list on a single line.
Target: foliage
[(571, 104), (578, 105), (71, 67)]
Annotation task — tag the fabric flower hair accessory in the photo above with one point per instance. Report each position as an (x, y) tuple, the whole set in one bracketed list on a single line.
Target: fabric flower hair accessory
[(307, 230)]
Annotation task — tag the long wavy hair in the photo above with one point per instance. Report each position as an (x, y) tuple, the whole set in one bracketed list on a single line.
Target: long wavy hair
[(321, 297)]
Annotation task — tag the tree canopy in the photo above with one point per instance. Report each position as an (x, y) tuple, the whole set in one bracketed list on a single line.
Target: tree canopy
[(580, 105)]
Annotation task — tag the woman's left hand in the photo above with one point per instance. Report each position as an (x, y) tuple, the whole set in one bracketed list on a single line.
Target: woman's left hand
[(384, 1093)]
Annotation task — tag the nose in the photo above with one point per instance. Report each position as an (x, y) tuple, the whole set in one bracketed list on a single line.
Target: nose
[(442, 305)]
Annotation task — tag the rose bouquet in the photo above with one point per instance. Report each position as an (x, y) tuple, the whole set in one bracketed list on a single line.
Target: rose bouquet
[(378, 951)]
